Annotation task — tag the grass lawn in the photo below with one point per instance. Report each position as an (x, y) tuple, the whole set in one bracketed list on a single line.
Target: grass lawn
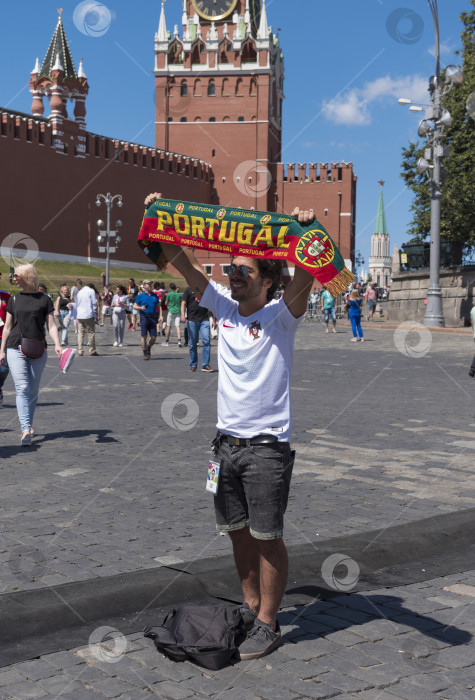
[(53, 273)]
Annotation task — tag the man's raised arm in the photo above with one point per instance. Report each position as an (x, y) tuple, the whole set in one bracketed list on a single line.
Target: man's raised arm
[(182, 258), (296, 293)]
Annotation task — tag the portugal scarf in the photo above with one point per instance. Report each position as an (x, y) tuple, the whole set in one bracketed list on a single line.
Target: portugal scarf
[(244, 232)]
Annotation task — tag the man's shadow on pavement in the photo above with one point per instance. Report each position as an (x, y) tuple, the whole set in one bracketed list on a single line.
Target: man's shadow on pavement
[(356, 609)]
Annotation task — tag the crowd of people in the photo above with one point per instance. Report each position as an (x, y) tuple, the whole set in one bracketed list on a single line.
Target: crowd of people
[(26, 316), (148, 307), (352, 302)]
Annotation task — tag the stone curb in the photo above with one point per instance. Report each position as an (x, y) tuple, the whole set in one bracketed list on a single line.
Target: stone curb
[(390, 326), (61, 617)]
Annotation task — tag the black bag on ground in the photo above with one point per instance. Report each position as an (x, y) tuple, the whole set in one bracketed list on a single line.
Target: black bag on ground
[(209, 635)]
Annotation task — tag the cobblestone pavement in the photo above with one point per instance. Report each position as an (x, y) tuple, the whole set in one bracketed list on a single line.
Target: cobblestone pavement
[(409, 642), (114, 482)]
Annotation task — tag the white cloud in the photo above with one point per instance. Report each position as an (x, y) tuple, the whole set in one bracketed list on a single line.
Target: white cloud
[(446, 48), (353, 108)]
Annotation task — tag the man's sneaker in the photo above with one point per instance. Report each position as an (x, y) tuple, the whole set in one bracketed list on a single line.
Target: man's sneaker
[(471, 373), (248, 617), (1, 398), (207, 368), (192, 369), (115, 343), (179, 343), (66, 360), (260, 641), (146, 353)]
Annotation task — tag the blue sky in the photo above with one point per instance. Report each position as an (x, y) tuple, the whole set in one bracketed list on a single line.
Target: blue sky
[(346, 63)]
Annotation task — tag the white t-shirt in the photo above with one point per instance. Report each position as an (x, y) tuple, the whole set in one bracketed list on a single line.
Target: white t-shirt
[(255, 355), (86, 303)]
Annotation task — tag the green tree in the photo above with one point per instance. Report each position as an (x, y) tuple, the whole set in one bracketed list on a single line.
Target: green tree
[(457, 210)]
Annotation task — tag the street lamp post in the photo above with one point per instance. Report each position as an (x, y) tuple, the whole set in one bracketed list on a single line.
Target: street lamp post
[(440, 119), (105, 236), (359, 262)]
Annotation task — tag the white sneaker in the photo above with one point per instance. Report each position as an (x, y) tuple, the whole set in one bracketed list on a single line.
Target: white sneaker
[(165, 343), (354, 340), (115, 343), (179, 343), (120, 345), (362, 340)]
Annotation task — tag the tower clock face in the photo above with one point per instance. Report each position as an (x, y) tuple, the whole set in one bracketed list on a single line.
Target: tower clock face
[(214, 10)]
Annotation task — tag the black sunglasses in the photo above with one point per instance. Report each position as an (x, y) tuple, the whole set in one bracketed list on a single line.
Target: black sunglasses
[(242, 269)]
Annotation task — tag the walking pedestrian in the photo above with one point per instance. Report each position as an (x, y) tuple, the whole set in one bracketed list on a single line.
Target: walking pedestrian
[(147, 305), (313, 302), (254, 422), (162, 295), (119, 307), (4, 371), (472, 323), (27, 314), (73, 313), (328, 308), (174, 314), (132, 313), (370, 298), (87, 313), (355, 315), (106, 298), (62, 311), (198, 325)]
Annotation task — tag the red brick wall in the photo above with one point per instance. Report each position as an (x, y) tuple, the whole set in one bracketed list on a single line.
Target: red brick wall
[(51, 196)]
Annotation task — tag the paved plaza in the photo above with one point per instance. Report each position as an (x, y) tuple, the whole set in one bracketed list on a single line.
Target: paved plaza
[(114, 483)]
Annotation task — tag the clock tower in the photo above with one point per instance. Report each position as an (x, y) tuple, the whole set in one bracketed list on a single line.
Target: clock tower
[(219, 92)]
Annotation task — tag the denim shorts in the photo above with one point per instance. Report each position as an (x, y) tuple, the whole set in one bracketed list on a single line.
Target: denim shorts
[(253, 488), (326, 314), (148, 324)]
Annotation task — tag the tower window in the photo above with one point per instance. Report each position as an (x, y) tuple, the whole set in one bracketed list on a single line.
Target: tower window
[(213, 153), (183, 119), (184, 90), (212, 119), (202, 48), (211, 90), (240, 119), (170, 119)]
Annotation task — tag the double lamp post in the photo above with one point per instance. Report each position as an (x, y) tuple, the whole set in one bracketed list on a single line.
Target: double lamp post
[(108, 240), (432, 127)]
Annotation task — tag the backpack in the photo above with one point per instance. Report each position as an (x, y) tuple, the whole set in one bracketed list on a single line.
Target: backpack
[(209, 635)]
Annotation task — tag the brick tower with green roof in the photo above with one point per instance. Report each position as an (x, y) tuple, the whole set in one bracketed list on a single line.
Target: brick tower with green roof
[(58, 80), (380, 260)]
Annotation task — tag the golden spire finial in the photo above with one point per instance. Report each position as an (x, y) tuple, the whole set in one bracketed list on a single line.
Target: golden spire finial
[(60, 11), (381, 182)]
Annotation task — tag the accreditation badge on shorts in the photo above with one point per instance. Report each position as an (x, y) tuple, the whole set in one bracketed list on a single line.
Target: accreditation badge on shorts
[(213, 476)]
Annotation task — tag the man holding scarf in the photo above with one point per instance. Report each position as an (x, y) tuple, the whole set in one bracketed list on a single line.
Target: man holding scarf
[(255, 354)]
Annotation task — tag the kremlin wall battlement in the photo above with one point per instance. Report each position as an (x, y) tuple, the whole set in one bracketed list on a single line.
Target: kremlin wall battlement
[(62, 185), (48, 194)]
